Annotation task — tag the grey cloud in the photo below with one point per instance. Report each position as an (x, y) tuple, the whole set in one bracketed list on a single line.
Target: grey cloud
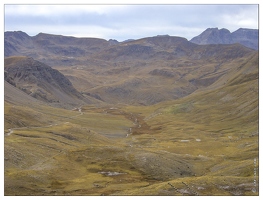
[(136, 20)]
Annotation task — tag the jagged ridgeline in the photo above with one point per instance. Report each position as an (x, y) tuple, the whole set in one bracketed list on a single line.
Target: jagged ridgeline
[(244, 36)]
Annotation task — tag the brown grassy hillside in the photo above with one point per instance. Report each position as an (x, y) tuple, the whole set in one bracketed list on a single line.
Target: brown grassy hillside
[(165, 117)]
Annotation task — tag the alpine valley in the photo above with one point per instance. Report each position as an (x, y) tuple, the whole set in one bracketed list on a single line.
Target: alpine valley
[(154, 116)]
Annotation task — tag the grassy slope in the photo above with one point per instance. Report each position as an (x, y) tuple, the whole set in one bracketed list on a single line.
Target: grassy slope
[(215, 130), (203, 144), (148, 81)]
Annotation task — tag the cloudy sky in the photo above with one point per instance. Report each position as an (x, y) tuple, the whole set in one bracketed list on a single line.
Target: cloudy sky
[(123, 22)]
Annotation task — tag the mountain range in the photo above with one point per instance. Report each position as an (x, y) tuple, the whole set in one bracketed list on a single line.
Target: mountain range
[(128, 72), (157, 116)]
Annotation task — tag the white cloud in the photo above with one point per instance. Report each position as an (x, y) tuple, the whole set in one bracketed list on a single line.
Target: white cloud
[(245, 18)]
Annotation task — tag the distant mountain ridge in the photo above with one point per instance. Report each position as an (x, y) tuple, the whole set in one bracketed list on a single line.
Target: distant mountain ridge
[(143, 71), (60, 48), (244, 36), (68, 51)]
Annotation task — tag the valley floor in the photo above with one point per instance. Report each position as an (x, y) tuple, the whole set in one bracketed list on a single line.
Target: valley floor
[(125, 150)]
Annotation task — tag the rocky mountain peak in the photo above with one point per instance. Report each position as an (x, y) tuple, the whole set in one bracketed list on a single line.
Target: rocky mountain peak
[(246, 37), (213, 36)]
